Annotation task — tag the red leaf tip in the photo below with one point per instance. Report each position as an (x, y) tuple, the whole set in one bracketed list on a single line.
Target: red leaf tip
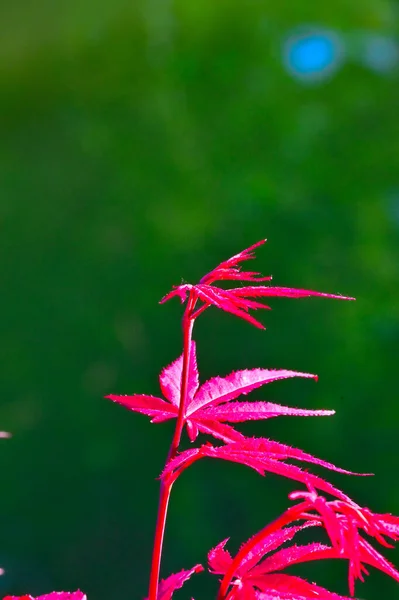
[(237, 301)]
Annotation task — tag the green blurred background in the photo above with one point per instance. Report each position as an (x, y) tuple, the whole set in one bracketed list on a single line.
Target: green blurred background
[(142, 142)]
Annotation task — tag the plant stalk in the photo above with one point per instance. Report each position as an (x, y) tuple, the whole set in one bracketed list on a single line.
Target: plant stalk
[(167, 484)]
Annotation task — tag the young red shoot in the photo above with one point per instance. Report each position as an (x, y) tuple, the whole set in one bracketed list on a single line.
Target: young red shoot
[(214, 408)]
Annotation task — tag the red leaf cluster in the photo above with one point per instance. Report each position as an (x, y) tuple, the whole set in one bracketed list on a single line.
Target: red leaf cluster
[(214, 408), (257, 568), (210, 406), (237, 301)]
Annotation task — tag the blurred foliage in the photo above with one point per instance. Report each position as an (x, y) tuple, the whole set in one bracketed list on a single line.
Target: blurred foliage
[(141, 143)]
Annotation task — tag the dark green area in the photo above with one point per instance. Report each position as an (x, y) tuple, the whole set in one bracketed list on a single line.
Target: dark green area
[(141, 144)]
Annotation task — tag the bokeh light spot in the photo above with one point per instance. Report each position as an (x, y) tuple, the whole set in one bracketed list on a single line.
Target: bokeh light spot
[(381, 53), (313, 55)]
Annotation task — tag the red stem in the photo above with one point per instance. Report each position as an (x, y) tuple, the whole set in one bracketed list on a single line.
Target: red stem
[(167, 484), (158, 539), (188, 323)]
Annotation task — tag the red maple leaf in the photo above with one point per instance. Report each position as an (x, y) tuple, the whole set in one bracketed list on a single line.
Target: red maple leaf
[(51, 596), (255, 580), (344, 522), (263, 456), (210, 406), (175, 581), (237, 301)]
